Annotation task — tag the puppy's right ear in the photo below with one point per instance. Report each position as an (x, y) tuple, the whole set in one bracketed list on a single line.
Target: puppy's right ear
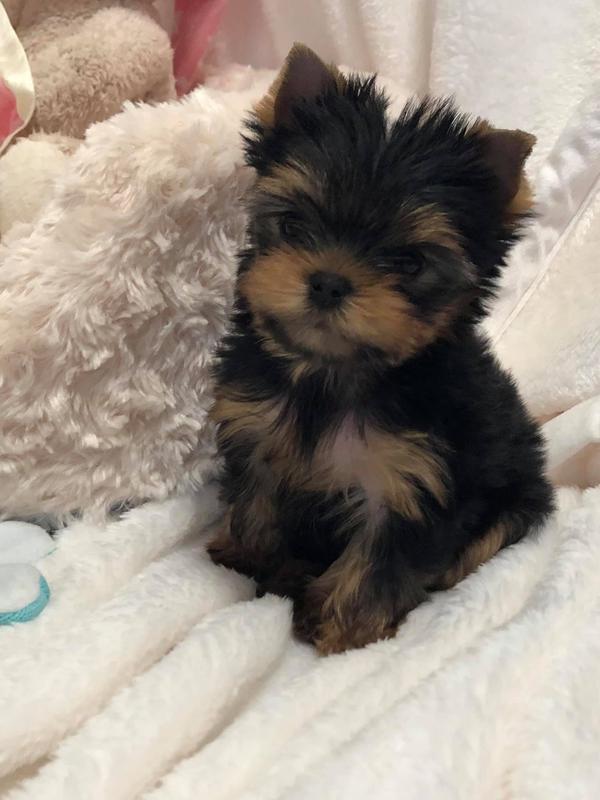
[(303, 77), (505, 153)]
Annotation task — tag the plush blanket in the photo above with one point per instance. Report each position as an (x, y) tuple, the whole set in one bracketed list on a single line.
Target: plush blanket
[(112, 300), (152, 673)]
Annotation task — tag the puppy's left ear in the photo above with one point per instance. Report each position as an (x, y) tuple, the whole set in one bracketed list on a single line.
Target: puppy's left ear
[(505, 152), (303, 77)]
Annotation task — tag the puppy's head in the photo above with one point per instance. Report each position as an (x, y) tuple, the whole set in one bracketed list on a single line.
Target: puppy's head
[(369, 234)]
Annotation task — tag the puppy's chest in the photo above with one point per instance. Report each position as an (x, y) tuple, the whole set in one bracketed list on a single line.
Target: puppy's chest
[(347, 457), (390, 470)]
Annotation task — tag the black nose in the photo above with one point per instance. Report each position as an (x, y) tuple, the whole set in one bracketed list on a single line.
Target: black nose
[(327, 290)]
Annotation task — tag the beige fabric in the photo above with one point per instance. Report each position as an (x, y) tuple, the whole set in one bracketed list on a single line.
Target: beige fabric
[(89, 56)]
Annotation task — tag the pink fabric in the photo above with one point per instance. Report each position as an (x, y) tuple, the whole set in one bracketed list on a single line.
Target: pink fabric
[(196, 22), (10, 119)]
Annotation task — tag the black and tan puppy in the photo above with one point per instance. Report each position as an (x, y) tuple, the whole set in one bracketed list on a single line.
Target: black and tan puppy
[(374, 450)]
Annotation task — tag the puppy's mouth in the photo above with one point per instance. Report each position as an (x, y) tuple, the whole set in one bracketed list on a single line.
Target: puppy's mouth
[(309, 336)]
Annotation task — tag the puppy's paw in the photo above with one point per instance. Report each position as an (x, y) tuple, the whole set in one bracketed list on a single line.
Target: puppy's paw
[(230, 557), (306, 619), (287, 580), (315, 622), (335, 638), (225, 551)]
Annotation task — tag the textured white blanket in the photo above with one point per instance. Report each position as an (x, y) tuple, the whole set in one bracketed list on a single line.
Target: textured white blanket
[(150, 674)]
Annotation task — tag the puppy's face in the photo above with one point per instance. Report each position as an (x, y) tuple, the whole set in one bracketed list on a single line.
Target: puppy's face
[(369, 235)]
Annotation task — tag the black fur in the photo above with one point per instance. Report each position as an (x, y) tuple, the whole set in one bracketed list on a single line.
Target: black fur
[(453, 390), (457, 393)]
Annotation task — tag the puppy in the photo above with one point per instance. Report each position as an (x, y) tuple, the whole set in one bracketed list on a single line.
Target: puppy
[(374, 450)]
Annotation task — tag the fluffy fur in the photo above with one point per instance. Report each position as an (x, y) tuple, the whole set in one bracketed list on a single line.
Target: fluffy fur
[(28, 173), (111, 305), (374, 449)]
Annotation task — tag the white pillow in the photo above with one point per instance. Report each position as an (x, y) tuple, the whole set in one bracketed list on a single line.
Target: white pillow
[(546, 324)]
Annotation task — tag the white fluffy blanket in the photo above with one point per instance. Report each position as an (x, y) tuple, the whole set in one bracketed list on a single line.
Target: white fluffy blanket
[(153, 674)]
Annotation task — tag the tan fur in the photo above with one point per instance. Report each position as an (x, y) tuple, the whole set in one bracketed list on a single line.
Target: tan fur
[(399, 461), (334, 637), (341, 583), (299, 369), (338, 611), (476, 554), (238, 415), (332, 610), (376, 315), (276, 284), (248, 556), (285, 180), (262, 423), (272, 460), (429, 225), (265, 108), (222, 546), (259, 520), (522, 200), (379, 316)]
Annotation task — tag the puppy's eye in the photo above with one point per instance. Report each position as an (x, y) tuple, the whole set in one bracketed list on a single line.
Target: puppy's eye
[(289, 227), (409, 263)]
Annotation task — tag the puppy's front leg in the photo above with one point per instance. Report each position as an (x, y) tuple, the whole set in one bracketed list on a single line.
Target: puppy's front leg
[(361, 598), (247, 540)]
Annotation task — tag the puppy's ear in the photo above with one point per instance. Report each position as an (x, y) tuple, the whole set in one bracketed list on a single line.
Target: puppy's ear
[(303, 77), (505, 152)]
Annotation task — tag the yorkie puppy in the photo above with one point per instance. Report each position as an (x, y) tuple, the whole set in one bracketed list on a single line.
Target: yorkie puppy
[(373, 448)]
